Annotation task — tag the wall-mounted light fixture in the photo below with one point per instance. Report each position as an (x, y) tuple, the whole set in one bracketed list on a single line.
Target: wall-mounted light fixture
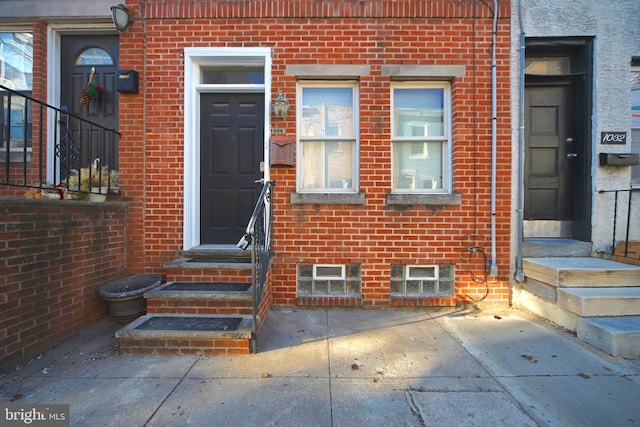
[(121, 17), (280, 106)]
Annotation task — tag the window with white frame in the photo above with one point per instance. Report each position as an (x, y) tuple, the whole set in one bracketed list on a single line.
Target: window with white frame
[(420, 128), (635, 122), (328, 137), (329, 279), (16, 73), (422, 280)]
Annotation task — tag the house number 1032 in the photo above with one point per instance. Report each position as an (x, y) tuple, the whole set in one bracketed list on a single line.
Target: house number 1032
[(613, 138)]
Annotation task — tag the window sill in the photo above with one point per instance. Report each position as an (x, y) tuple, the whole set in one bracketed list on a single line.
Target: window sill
[(327, 199), (425, 199)]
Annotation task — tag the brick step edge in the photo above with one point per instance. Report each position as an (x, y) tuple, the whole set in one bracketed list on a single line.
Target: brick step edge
[(162, 293), (184, 342), (186, 264)]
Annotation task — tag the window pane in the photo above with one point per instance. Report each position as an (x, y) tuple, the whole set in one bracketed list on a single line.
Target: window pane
[(420, 272), (94, 56), (418, 112), (327, 165), (417, 165), (554, 66), (18, 115), (233, 75), (327, 112), (16, 60)]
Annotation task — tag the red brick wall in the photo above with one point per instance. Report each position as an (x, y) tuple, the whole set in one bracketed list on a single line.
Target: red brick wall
[(372, 33), (54, 255)]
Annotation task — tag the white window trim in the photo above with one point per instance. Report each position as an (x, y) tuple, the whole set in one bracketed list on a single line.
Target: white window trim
[(447, 151), (316, 276), (194, 58), (435, 277), (354, 84)]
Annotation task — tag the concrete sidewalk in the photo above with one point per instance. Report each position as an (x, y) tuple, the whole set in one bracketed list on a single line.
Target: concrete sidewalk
[(318, 367)]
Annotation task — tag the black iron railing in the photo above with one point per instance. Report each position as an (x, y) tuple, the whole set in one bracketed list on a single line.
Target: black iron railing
[(625, 229), (85, 154), (258, 236)]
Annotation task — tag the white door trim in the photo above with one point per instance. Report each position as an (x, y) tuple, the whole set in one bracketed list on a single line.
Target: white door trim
[(194, 58), (54, 34)]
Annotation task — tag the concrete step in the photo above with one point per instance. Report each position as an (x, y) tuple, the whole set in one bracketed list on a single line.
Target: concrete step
[(168, 334), (551, 247), (581, 272), (618, 336), (205, 298), (593, 302)]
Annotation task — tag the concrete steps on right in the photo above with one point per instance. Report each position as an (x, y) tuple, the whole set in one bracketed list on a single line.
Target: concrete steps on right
[(581, 272), (597, 302), (618, 336)]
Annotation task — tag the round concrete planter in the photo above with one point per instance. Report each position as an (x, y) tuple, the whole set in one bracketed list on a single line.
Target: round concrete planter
[(126, 295)]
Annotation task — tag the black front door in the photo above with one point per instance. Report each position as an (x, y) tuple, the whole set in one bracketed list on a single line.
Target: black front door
[(549, 159), (231, 149), (88, 59)]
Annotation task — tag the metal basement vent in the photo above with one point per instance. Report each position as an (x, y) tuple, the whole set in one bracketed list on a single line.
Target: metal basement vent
[(170, 323), (208, 286)]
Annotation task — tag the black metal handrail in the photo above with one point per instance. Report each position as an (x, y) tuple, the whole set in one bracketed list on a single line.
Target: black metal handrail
[(629, 228), (85, 153), (258, 236)]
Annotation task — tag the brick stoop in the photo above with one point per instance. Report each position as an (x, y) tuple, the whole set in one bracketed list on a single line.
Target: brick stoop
[(134, 341), (202, 290)]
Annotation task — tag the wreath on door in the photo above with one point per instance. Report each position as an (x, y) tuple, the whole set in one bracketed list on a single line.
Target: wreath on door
[(90, 91)]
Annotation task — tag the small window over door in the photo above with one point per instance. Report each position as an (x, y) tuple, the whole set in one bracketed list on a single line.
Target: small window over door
[(94, 56), (548, 66)]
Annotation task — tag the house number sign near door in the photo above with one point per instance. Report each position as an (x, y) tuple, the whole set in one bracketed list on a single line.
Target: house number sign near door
[(613, 138)]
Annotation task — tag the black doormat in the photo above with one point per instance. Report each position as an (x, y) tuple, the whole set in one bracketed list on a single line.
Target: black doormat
[(208, 286), (221, 260), (190, 324)]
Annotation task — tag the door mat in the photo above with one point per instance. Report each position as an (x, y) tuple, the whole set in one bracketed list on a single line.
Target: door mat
[(208, 286), (221, 260), (161, 323)]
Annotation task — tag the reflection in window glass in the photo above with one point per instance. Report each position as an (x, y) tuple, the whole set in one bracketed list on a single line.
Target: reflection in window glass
[(420, 137), (418, 112), (553, 66), (327, 111), (233, 75), (94, 56), (16, 60), (327, 138)]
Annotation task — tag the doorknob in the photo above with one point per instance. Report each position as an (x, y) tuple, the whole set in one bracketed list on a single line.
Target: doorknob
[(572, 155), (569, 140)]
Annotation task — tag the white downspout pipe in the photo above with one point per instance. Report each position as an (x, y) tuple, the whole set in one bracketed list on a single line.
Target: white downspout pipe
[(520, 238), (493, 268)]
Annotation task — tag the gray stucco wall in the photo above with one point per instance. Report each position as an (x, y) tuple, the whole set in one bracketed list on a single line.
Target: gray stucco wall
[(614, 25)]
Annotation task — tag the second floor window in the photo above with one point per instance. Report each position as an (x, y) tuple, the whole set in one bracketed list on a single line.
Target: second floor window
[(328, 137), (420, 129)]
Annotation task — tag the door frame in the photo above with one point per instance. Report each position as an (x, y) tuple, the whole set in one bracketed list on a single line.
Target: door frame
[(194, 59), (580, 51), (54, 53)]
